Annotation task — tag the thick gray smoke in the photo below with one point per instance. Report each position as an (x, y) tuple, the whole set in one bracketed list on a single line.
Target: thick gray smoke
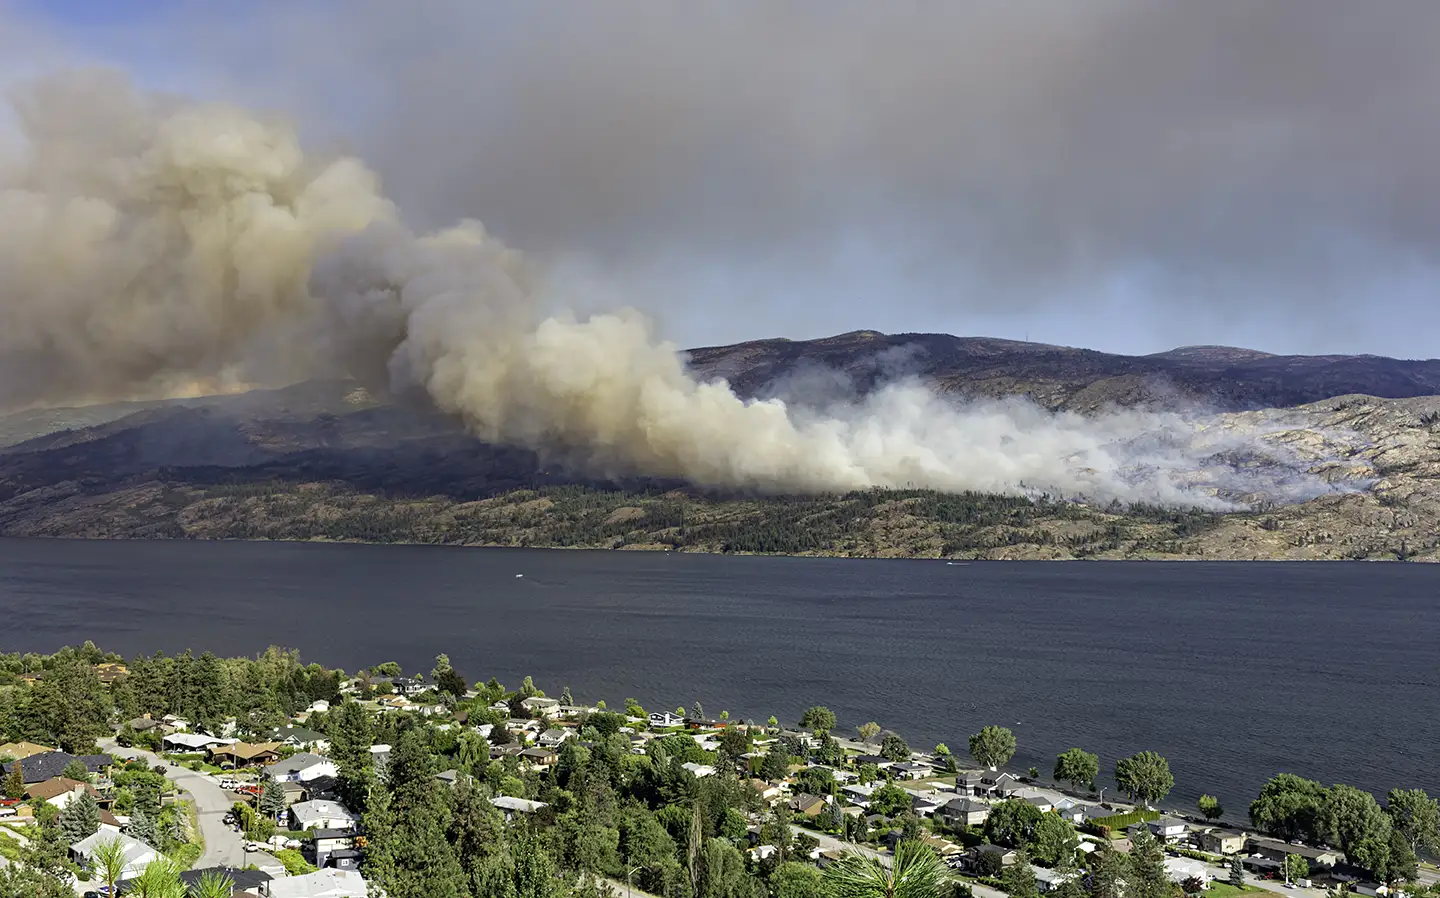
[(1194, 172), (150, 245)]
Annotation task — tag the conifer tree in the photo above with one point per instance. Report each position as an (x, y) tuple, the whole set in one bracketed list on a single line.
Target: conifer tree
[(80, 818)]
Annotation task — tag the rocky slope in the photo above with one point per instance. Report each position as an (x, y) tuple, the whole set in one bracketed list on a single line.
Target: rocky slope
[(329, 461)]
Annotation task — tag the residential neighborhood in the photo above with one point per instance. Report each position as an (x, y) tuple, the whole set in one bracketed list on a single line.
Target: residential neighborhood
[(286, 808)]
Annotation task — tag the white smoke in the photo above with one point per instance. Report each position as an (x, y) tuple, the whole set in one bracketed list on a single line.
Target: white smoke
[(148, 244)]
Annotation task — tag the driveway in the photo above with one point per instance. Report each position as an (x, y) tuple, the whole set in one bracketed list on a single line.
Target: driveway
[(223, 845)]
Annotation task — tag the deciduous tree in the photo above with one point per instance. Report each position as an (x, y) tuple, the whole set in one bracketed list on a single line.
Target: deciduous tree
[(868, 731), (1289, 807), (1053, 841), (1012, 823), (1145, 776), (893, 748), (819, 719), (1077, 767), (1416, 816), (890, 800), (992, 747), (1210, 806)]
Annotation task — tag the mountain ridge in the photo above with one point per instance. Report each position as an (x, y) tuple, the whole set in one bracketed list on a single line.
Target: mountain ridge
[(331, 460)]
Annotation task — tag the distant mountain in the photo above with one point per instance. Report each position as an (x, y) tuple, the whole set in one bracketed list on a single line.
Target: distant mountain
[(329, 460), (1061, 377)]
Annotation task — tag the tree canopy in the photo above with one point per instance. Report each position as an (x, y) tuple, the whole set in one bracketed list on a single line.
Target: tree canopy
[(992, 747), (1144, 776)]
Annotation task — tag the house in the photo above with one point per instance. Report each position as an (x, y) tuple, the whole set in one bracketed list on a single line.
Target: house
[(698, 770), (858, 794), (552, 738), (192, 742), (173, 724), (809, 805), (47, 765), (299, 737), (111, 671), (302, 768), (340, 859), (1076, 813), (335, 848), (322, 814), (1179, 869), (59, 791), (909, 770), (970, 784), (664, 719), (448, 777), (516, 806), (1031, 797), (1168, 829), (962, 812), (943, 847), (1219, 841), (767, 791), (21, 750), (295, 793), (1007, 855), (328, 883), (1011, 788), (1275, 850), (244, 754), (1050, 880), (925, 805), (544, 707), (143, 723), (540, 757), (319, 706), (137, 853), (1000, 785)]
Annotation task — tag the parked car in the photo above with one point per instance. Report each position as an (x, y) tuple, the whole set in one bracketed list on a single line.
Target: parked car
[(254, 846)]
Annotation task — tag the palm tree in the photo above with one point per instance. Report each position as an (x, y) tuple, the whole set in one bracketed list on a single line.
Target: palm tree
[(159, 879), (108, 862), (213, 885), (914, 872)]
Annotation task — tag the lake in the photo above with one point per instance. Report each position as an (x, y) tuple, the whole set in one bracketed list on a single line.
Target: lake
[(1233, 671)]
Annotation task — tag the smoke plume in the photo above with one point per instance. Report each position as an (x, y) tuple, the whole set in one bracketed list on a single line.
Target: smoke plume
[(150, 243)]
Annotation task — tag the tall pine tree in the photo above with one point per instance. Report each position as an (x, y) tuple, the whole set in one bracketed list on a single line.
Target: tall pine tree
[(409, 853), (80, 818), (1147, 878)]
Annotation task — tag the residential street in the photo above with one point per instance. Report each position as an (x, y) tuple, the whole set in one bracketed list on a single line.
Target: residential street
[(223, 845)]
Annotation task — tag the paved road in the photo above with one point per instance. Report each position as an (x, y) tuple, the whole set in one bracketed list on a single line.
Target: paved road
[(223, 845)]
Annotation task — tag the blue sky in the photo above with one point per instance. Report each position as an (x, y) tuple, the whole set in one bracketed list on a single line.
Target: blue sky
[(1113, 174)]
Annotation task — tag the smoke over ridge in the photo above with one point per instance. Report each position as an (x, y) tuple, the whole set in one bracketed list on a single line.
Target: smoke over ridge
[(148, 243)]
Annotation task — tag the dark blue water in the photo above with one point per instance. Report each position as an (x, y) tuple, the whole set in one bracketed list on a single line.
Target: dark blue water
[(1233, 671)]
